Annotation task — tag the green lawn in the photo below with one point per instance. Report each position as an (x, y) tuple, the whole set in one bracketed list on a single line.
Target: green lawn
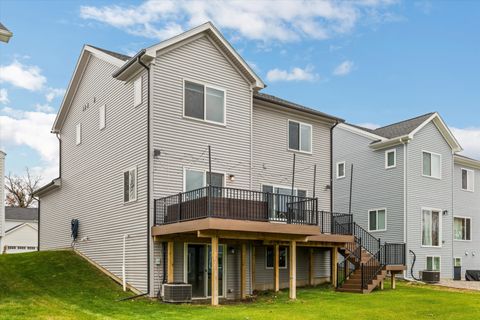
[(60, 285)]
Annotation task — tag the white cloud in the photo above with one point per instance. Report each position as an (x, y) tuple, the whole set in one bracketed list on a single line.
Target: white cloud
[(31, 129), (44, 108), (343, 68), (369, 125), (296, 74), (4, 96), (23, 76), (469, 139), (266, 20), (53, 93)]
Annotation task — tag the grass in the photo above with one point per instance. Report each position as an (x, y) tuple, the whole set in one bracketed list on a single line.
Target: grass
[(61, 285)]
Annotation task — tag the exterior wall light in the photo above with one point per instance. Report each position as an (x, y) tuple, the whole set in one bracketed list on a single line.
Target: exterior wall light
[(231, 177)]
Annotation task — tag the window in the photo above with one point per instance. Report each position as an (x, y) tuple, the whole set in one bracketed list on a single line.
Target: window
[(340, 170), (137, 92), (462, 228), (299, 136), (468, 177), (283, 190), (79, 133), (102, 118), (377, 220), (391, 159), (457, 262), (433, 263), (204, 102), (431, 228), (196, 179), (432, 163), (130, 185), (270, 257)]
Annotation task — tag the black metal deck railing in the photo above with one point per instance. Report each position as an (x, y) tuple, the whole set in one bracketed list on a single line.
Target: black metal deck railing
[(241, 204)]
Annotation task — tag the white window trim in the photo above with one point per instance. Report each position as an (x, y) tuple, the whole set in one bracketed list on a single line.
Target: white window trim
[(461, 261), (102, 108), (299, 137), (204, 120), (439, 262), (78, 134), (286, 258), (377, 230), (140, 98), (283, 187), (344, 170), (471, 227), (441, 162), (205, 172), (440, 221), (473, 180), (136, 184), (394, 159)]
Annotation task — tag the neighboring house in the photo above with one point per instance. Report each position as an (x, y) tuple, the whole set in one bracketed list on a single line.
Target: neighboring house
[(5, 34), (135, 173), (466, 213), (21, 230), (2, 198), (406, 187)]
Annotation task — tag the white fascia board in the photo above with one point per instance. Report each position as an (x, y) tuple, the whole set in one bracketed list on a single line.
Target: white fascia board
[(390, 142), (360, 132), (472, 163)]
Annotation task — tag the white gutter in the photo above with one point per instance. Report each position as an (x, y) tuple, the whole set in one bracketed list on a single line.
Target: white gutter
[(391, 142), (124, 273)]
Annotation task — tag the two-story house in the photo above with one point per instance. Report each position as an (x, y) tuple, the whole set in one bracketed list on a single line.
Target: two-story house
[(174, 168), (405, 183)]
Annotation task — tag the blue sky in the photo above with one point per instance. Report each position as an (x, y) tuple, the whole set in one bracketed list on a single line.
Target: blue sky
[(370, 62)]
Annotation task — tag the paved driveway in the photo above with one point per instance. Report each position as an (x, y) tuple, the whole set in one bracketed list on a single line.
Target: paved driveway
[(470, 285)]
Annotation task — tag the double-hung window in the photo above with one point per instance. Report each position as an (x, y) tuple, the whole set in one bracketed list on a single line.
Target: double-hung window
[(196, 179), (299, 136), (341, 170), (431, 224), (468, 177), (433, 263), (377, 220), (270, 257), (130, 185), (432, 164), (390, 159), (204, 102), (462, 228)]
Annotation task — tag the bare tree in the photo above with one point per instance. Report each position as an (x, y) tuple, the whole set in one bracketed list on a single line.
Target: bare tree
[(20, 189)]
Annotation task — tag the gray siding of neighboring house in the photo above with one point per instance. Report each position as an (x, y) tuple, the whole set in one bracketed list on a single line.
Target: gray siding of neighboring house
[(264, 276), (273, 162), (374, 186), (92, 177), (2, 198), (467, 204), (183, 142), (426, 192)]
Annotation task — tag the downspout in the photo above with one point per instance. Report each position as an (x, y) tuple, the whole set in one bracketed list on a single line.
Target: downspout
[(405, 202), (38, 223), (124, 271), (148, 166), (331, 165), (453, 209)]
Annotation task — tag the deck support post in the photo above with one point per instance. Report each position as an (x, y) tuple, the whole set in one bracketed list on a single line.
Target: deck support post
[(382, 284), (252, 267), (293, 270), (311, 270), (170, 263), (276, 267), (393, 280), (334, 266), (214, 264), (243, 276)]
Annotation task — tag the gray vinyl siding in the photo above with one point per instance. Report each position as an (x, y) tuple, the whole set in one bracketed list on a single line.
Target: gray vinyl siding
[(431, 193), (92, 177), (374, 186), (467, 204), (273, 162), (264, 276), (2, 197)]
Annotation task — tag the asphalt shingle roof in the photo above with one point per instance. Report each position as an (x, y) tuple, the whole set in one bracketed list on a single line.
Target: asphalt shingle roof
[(113, 54), (402, 128), (23, 214), (292, 105)]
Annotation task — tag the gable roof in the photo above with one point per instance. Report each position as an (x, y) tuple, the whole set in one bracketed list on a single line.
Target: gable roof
[(208, 29), (403, 131), (117, 55), (22, 214), (20, 226), (291, 105)]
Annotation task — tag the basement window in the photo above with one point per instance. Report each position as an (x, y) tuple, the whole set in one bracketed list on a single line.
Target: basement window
[(270, 257)]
